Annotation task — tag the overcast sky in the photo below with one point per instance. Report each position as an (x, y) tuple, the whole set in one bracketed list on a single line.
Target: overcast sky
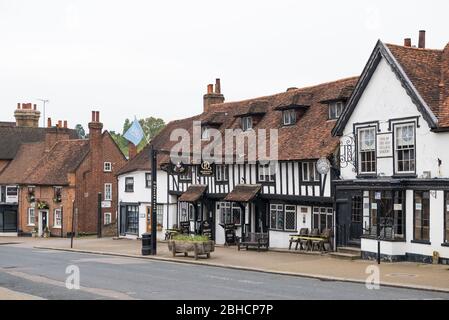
[(149, 58)]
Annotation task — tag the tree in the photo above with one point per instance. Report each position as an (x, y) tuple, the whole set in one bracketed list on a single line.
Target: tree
[(80, 131), (151, 127)]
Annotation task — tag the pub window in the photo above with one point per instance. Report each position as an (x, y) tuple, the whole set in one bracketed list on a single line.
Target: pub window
[(31, 216), (277, 218), (247, 123), (184, 211), (309, 172), (266, 172), (367, 150), (159, 215), (405, 148), (422, 216), (322, 218), (132, 219), (129, 184), (335, 110), (290, 218), (386, 212), (288, 117), (147, 180), (230, 213), (446, 218), (357, 209), (221, 172)]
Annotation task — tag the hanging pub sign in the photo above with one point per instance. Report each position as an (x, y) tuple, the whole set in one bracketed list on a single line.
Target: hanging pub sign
[(384, 145), (206, 169), (178, 168)]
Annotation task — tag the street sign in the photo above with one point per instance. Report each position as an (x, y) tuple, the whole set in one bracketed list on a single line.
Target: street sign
[(106, 204)]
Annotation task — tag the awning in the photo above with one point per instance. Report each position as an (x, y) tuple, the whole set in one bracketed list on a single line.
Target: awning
[(243, 193), (193, 193)]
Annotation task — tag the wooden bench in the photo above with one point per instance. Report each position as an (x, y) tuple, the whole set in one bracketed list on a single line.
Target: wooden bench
[(253, 240)]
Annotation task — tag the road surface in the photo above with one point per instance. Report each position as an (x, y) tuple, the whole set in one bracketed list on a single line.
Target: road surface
[(41, 274)]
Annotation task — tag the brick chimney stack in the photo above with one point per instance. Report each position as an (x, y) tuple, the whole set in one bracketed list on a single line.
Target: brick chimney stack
[(213, 97), (27, 115), (132, 151), (55, 134), (96, 162), (422, 39), (407, 42)]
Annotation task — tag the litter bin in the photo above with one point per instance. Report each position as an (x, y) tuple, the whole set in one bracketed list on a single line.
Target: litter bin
[(146, 244)]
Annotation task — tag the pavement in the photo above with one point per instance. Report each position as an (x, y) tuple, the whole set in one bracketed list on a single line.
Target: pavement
[(29, 273), (319, 266)]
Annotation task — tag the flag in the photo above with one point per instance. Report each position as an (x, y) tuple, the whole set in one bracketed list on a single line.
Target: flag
[(135, 133)]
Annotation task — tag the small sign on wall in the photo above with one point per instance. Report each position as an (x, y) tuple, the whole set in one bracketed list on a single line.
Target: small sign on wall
[(384, 145), (397, 206), (106, 204), (418, 206)]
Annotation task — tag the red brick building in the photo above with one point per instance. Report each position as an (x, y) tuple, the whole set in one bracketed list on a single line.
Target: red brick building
[(59, 174)]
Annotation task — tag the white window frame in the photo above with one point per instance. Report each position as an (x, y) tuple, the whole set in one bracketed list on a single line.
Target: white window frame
[(148, 181), (397, 150), (107, 167), (247, 123), (322, 211), (205, 133), (265, 172), (126, 184), (105, 219), (221, 173), (227, 210), (309, 168), (335, 110), (360, 151), (31, 222), (108, 193), (57, 225), (288, 117)]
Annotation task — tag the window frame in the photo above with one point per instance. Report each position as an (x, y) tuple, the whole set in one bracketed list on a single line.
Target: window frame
[(280, 210), (104, 218), (336, 109), (105, 164), (227, 213), (373, 151), (106, 185), (328, 211), (148, 181), (421, 240), (55, 219), (247, 123), (127, 189), (221, 173), (290, 115), (311, 167), (33, 223), (396, 150), (265, 174)]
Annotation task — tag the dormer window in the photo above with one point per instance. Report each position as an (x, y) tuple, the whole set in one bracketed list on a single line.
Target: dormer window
[(205, 133), (335, 110), (288, 117), (247, 123)]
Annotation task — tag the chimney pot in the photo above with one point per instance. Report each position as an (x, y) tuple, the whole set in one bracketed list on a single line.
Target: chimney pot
[(59, 124), (49, 122), (97, 116), (217, 86), (407, 42), (422, 39), (210, 89), (18, 106), (34, 106), (93, 116), (65, 124)]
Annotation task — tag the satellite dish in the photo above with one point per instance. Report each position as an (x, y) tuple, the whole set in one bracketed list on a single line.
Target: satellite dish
[(323, 166)]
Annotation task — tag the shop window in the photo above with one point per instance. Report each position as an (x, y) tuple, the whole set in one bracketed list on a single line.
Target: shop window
[(422, 216), (322, 218), (230, 213)]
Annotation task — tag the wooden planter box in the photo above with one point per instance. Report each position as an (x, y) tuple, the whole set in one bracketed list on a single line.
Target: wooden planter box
[(198, 248)]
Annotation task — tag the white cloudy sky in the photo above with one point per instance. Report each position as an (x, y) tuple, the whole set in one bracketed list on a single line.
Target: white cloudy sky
[(149, 58)]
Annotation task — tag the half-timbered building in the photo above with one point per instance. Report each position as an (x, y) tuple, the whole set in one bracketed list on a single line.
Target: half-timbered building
[(277, 198)]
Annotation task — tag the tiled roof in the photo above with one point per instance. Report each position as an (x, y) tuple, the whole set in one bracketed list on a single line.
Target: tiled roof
[(27, 157), (193, 193), (243, 193), (428, 70), (64, 158), (311, 133), (11, 137)]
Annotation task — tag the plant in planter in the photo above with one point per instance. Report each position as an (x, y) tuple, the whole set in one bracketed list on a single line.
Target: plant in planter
[(31, 195), (46, 232), (42, 205), (35, 232), (58, 195), (199, 245)]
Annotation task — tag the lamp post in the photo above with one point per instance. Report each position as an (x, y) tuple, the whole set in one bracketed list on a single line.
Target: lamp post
[(153, 159)]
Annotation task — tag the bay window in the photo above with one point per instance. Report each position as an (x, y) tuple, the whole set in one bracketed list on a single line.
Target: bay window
[(405, 148), (367, 150)]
